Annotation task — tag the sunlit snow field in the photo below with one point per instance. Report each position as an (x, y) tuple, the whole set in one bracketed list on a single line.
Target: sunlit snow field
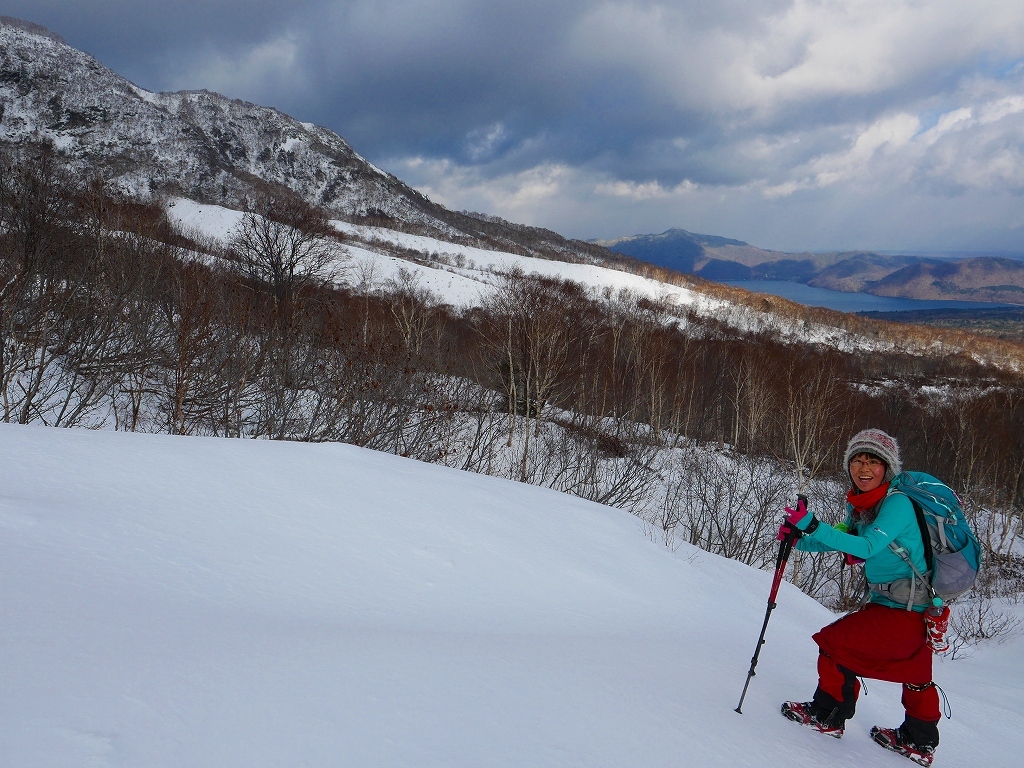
[(173, 601), (461, 286), (463, 276)]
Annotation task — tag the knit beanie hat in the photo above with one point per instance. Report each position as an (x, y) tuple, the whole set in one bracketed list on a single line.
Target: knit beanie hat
[(877, 443)]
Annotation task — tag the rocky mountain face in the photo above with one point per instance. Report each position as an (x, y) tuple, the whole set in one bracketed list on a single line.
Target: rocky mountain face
[(214, 149), (194, 143)]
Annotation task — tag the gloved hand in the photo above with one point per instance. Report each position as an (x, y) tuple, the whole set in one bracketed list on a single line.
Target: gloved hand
[(788, 531), (799, 517), (796, 520)]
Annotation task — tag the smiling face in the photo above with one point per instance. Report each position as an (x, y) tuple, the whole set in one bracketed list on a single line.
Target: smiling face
[(867, 471)]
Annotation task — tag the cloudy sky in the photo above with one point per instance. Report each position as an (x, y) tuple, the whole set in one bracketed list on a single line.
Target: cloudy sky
[(792, 124)]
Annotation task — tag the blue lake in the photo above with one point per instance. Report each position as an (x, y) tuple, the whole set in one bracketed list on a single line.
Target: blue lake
[(849, 302)]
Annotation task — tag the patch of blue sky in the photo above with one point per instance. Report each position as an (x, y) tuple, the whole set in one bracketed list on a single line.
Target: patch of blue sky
[(1002, 69), (928, 119)]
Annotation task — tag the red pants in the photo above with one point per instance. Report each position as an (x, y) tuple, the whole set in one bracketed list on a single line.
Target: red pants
[(881, 643)]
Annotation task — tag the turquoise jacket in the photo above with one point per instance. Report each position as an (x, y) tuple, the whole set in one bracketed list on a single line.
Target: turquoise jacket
[(896, 521)]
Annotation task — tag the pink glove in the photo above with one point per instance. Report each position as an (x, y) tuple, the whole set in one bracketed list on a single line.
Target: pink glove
[(795, 516), (852, 560), (790, 527), (788, 531)]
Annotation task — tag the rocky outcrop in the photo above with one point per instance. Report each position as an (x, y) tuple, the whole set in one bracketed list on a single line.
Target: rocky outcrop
[(195, 143)]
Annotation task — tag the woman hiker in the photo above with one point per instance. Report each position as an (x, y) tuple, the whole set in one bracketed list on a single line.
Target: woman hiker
[(885, 639)]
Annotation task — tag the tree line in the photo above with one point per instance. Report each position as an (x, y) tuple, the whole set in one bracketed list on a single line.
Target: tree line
[(109, 316)]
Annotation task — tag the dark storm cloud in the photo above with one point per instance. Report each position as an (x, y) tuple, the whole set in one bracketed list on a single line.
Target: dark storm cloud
[(792, 123), (133, 36), (401, 77)]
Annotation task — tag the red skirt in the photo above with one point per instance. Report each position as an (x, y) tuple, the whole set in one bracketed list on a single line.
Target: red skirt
[(880, 642)]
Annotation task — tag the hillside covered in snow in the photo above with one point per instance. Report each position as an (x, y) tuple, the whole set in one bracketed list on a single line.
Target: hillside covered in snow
[(464, 276), (212, 148), (174, 601)]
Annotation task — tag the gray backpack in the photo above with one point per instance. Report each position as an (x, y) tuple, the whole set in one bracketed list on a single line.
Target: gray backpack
[(952, 552)]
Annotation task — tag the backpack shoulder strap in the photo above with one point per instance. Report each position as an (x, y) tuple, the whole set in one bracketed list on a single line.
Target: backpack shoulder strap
[(922, 526), (926, 539)]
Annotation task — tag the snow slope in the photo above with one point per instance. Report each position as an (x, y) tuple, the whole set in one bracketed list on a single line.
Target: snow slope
[(173, 601), (463, 277), (461, 286)]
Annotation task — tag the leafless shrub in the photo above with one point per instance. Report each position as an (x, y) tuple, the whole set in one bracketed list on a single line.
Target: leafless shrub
[(976, 621), (726, 504)]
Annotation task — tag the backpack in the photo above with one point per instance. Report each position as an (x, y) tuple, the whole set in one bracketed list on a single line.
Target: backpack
[(952, 552)]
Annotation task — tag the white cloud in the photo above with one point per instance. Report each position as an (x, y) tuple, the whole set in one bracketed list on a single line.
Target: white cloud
[(518, 194), (1011, 105), (649, 190), (256, 72), (789, 123), (770, 56), (481, 143), (957, 119), (888, 137)]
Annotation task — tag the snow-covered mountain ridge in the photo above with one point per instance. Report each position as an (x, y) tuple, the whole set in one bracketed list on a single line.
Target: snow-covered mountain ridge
[(200, 143), (215, 149), (176, 601)]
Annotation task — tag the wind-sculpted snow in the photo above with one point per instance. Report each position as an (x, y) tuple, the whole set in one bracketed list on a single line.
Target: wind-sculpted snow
[(173, 601)]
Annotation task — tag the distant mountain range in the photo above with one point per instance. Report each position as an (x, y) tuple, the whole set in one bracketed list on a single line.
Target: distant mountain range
[(983, 278)]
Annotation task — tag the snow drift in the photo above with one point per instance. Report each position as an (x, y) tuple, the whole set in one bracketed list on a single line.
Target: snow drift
[(174, 601)]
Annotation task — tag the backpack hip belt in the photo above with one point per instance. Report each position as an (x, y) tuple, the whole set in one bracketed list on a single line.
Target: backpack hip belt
[(913, 592)]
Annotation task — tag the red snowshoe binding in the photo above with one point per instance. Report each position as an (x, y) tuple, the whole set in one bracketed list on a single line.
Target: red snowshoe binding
[(892, 739), (804, 713)]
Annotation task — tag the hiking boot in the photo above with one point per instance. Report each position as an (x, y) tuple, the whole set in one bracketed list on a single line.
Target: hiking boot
[(893, 739), (805, 713)]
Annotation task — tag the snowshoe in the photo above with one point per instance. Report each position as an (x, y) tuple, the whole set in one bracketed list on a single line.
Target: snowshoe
[(893, 740), (804, 713)]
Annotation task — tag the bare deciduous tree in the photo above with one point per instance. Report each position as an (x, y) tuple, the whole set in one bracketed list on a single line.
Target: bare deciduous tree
[(286, 245)]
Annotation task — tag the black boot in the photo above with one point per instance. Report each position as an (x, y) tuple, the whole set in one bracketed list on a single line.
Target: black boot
[(915, 739), (921, 732)]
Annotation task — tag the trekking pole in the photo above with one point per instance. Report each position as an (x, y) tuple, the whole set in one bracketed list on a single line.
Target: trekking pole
[(780, 568)]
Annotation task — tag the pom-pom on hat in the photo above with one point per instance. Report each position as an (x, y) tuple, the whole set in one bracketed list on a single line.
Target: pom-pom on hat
[(877, 443)]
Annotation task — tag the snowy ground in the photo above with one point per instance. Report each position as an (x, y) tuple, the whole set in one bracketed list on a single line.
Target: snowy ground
[(173, 601), (463, 284), (463, 276)]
